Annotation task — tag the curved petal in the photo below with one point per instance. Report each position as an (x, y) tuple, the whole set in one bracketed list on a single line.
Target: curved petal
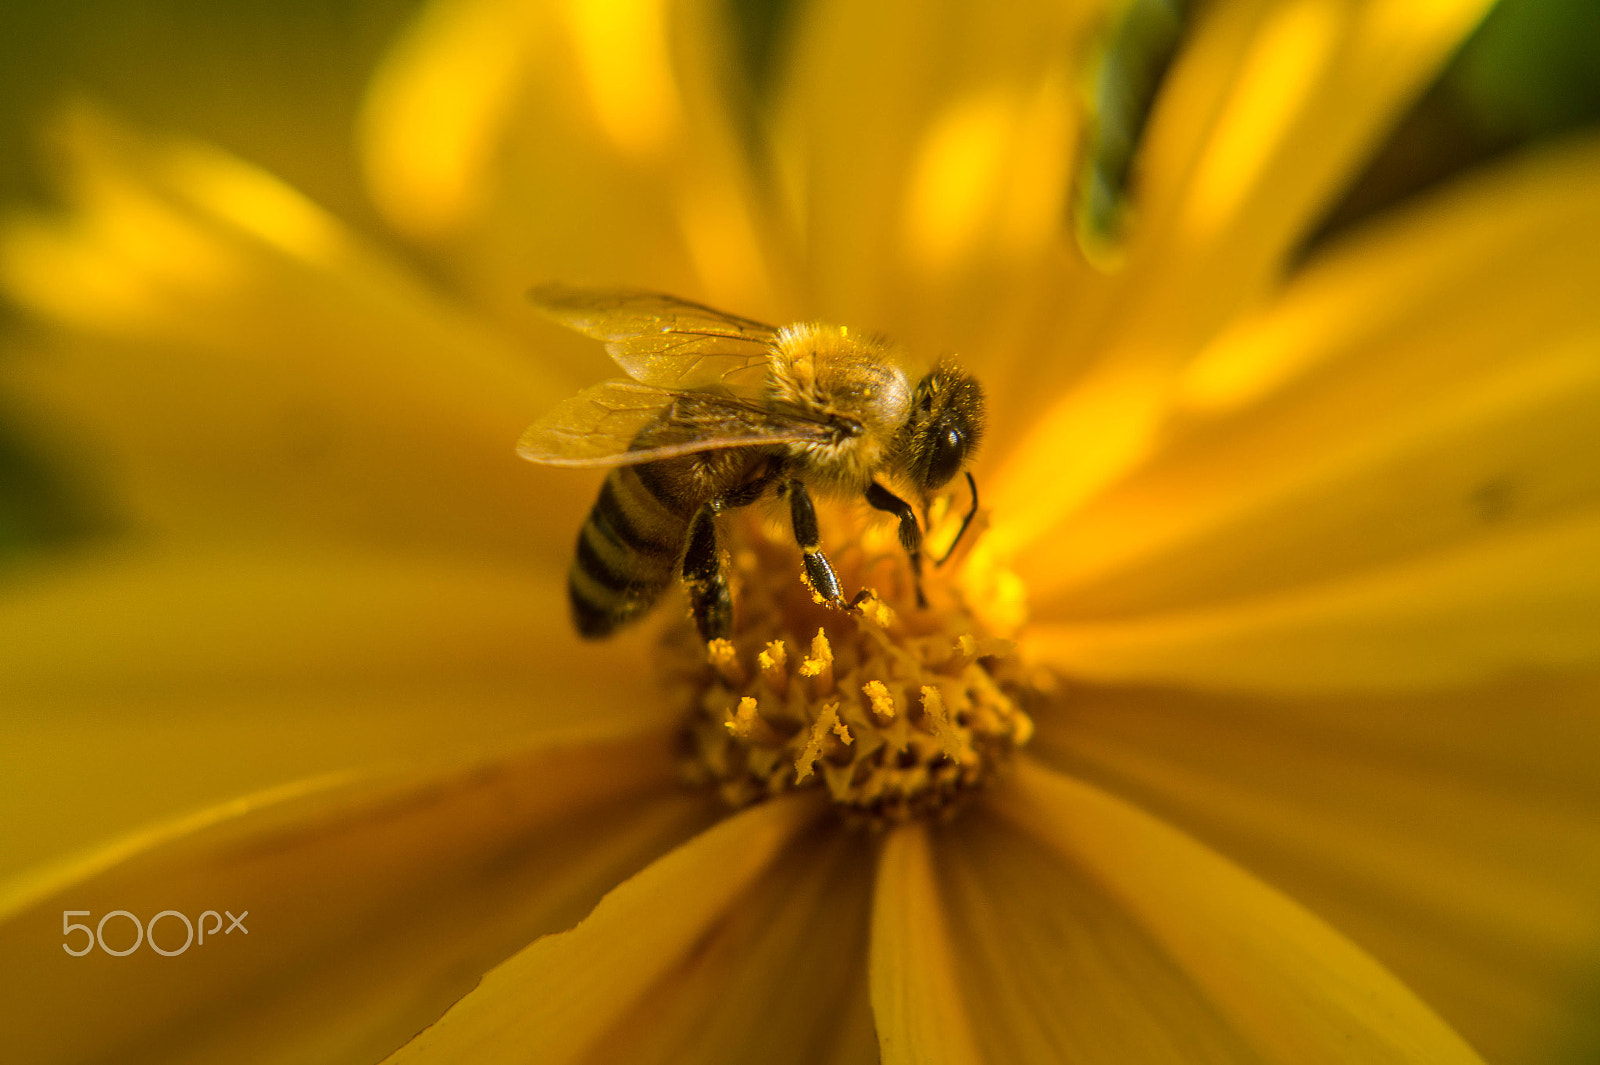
[(1433, 380), (145, 621), (1293, 988), (1454, 835), (137, 686), (1267, 112), (371, 905), (1085, 438), (935, 214), (560, 998), (916, 997), (1512, 234), (781, 978), (1268, 108), (1054, 969), (585, 141), (1521, 601), (235, 362)]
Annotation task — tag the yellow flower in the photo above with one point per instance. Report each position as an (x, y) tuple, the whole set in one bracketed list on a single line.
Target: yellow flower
[(1312, 634)]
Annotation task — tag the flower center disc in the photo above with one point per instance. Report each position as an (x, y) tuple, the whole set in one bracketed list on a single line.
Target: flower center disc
[(899, 712)]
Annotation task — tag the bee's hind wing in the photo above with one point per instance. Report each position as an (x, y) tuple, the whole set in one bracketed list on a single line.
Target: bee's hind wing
[(601, 426), (662, 340)]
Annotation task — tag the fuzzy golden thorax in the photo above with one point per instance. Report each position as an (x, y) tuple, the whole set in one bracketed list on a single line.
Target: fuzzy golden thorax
[(852, 380)]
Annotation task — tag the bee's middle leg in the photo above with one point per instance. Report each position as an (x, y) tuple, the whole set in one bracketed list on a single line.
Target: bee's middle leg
[(709, 597), (819, 571)]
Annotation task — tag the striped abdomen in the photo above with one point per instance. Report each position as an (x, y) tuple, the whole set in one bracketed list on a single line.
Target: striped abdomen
[(629, 549)]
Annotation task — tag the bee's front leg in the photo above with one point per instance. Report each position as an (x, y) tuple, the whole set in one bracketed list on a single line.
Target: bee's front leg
[(819, 571), (910, 532)]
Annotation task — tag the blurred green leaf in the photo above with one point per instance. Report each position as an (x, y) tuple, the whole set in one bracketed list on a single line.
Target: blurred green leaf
[(39, 507), (759, 28), (1533, 70)]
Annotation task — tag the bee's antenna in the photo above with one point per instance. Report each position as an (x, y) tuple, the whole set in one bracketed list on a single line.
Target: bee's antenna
[(965, 522)]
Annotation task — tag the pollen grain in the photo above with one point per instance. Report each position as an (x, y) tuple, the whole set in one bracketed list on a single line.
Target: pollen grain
[(898, 712)]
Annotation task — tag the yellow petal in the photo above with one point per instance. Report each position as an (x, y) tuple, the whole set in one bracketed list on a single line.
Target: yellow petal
[(557, 999), (585, 141), (1337, 480), (1508, 603), (1432, 381), (1089, 437), (434, 113), (781, 978), (141, 685), (1470, 278), (371, 905), (916, 998), (447, 97), (1456, 835), (1293, 988), (934, 214), (1054, 969), (1508, 235), (234, 361), (1267, 113), (144, 620)]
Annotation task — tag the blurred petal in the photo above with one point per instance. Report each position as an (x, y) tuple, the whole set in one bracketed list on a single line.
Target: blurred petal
[(1501, 247), (916, 999), (252, 619), (1086, 438), (558, 999), (781, 978), (1293, 988), (235, 362), (1055, 969), (1481, 289), (1526, 600), (141, 685), (372, 905), (1435, 380), (936, 214), (435, 112), (1267, 113), (1456, 836), (585, 141), (1408, 502)]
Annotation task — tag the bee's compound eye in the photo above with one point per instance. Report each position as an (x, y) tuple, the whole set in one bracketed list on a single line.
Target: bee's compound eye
[(944, 459)]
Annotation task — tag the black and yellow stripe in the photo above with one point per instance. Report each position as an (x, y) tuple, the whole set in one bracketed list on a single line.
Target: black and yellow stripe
[(628, 550)]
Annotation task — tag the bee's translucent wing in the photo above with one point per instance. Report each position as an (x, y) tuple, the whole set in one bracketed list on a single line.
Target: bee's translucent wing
[(664, 341), (620, 423)]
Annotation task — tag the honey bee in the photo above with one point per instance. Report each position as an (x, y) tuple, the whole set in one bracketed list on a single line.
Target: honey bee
[(716, 412)]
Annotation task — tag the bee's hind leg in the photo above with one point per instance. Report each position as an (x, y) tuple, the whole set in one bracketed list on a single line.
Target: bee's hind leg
[(709, 597), (910, 532), (703, 575), (819, 571)]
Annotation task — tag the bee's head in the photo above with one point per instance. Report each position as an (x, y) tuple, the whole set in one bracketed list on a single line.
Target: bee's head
[(944, 428)]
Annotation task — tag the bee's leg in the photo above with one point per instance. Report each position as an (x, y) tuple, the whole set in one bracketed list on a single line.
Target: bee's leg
[(709, 597), (910, 532), (819, 571)]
